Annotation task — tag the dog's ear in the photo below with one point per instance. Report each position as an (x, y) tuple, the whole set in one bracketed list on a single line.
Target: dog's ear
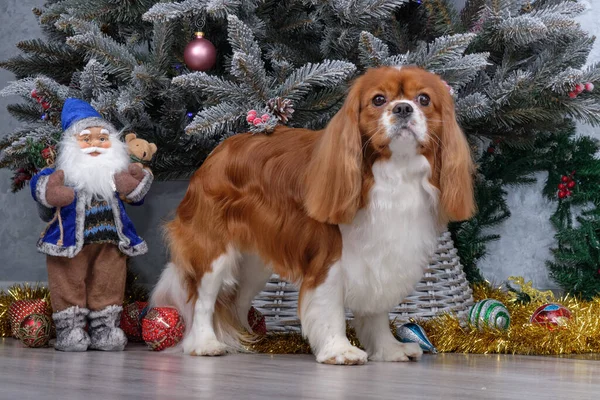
[(334, 174), (456, 169)]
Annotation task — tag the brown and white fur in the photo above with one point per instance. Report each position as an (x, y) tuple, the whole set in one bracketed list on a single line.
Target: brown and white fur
[(351, 213)]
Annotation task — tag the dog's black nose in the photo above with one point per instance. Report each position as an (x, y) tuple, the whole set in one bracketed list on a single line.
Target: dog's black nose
[(403, 110)]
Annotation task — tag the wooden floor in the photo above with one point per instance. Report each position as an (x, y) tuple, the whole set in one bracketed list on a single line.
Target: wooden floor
[(141, 374)]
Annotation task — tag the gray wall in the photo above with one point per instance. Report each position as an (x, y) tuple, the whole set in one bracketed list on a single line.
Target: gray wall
[(19, 224)]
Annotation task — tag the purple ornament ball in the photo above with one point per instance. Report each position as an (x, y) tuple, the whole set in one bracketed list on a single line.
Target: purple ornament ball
[(200, 54)]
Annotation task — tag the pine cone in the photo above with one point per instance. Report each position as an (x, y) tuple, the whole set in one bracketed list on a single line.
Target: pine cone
[(281, 108)]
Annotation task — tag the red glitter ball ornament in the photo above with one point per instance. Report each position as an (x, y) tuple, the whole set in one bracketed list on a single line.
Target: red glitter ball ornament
[(35, 330), (20, 309), (130, 320), (257, 321), (551, 315), (162, 328), (200, 54)]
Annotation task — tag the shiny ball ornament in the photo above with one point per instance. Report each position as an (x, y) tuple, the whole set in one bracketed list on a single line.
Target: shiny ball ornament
[(20, 309), (257, 321), (551, 315), (35, 330), (489, 313), (131, 322), (413, 333), (162, 327), (200, 54)]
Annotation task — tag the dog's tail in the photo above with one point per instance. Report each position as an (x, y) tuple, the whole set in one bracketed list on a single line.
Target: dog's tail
[(172, 291)]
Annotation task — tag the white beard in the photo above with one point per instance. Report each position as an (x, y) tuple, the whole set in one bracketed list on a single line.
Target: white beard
[(89, 174)]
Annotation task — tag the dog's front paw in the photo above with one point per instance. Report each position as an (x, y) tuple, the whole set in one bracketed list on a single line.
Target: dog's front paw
[(203, 346), (398, 352), (342, 354)]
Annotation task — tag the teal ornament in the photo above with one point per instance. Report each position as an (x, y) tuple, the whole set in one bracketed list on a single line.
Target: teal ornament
[(413, 333), (489, 313)]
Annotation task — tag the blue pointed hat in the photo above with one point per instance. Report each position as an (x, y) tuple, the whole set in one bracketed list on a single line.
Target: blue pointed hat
[(78, 115)]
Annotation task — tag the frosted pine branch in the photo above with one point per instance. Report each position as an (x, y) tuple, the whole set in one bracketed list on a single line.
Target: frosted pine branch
[(443, 50), (216, 120), (251, 73), (567, 8), (162, 12), (24, 87), (93, 80), (473, 107), (326, 74), (116, 57), (363, 12), (216, 89), (241, 37), (522, 30), (222, 8), (372, 51), (79, 26)]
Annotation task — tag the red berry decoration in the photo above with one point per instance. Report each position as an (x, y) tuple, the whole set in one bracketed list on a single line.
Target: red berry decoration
[(162, 328), (551, 315), (572, 94), (34, 94), (589, 86), (569, 193), (257, 321), (562, 194), (265, 117), (579, 88), (45, 105), (565, 179), (561, 186), (491, 150), (35, 329), (257, 121), (571, 184), (131, 323)]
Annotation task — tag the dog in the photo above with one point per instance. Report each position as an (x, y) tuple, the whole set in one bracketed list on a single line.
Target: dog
[(350, 213)]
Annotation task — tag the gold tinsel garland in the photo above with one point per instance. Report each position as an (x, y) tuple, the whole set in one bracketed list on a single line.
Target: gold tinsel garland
[(580, 335), (446, 332)]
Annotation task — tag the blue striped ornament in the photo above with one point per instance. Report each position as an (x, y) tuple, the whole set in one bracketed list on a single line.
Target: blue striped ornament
[(413, 333), (489, 313)]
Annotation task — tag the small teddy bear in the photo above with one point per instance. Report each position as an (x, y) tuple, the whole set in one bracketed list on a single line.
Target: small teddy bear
[(140, 150)]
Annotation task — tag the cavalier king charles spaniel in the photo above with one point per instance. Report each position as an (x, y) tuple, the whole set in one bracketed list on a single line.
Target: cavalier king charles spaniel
[(350, 213)]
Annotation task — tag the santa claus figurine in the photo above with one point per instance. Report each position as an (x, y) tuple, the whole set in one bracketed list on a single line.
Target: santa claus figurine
[(89, 234)]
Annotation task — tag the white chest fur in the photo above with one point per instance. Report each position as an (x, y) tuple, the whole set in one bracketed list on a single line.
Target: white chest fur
[(388, 244)]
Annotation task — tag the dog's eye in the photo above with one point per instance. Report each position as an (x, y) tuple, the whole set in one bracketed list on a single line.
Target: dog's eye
[(379, 100), (423, 100)]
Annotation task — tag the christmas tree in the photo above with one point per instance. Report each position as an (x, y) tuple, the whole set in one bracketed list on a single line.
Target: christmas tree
[(516, 68)]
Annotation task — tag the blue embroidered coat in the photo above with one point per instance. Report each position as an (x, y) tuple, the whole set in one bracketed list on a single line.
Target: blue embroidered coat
[(64, 236)]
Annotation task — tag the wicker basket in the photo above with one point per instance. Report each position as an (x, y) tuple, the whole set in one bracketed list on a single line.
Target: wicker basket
[(443, 288)]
